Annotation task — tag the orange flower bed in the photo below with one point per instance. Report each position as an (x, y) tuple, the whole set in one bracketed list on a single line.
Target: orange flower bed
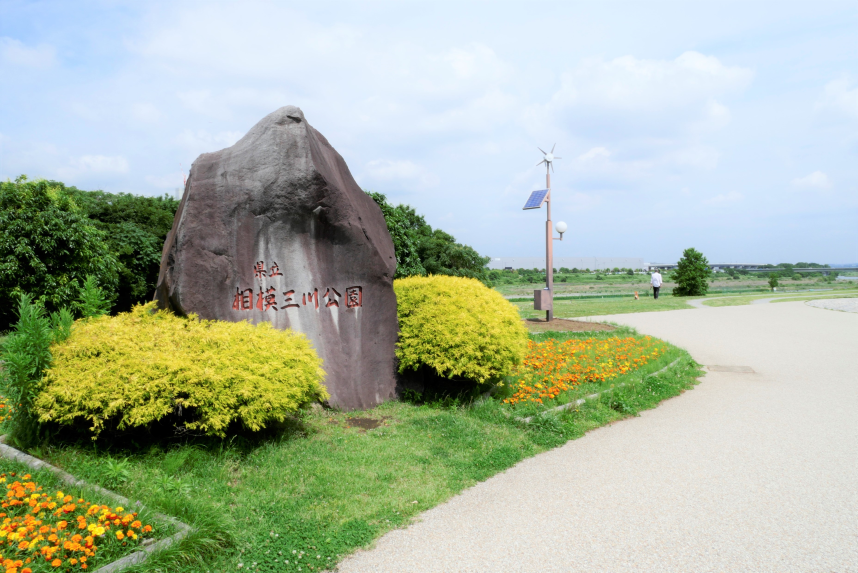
[(553, 367), (5, 410), (41, 532)]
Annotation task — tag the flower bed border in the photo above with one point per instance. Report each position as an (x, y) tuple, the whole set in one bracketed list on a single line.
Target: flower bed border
[(580, 401), (134, 558)]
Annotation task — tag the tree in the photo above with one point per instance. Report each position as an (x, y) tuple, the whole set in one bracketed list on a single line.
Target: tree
[(136, 228), (48, 246), (773, 281), (403, 224), (421, 250), (691, 274)]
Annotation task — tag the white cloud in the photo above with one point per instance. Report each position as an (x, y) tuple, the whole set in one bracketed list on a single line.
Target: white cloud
[(100, 164), (145, 112), (201, 141), (578, 202), (403, 170), (816, 180), (594, 154), (170, 181), (699, 156), (635, 84), (15, 52), (731, 197), (839, 96)]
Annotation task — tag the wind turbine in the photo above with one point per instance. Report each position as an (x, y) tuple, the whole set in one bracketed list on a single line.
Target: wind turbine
[(544, 299), (548, 158)]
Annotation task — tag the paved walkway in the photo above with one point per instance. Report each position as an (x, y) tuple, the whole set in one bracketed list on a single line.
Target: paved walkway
[(747, 472)]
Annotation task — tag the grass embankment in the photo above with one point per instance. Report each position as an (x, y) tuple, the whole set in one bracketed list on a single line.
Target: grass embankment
[(778, 297), (324, 486), (602, 306)]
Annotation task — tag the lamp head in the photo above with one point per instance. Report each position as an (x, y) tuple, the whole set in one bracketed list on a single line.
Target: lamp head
[(561, 227)]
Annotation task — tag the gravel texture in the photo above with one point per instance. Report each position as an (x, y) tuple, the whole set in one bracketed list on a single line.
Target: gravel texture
[(842, 304), (747, 472)]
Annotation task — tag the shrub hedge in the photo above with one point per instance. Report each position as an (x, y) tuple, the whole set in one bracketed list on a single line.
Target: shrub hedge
[(136, 368), (458, 327)]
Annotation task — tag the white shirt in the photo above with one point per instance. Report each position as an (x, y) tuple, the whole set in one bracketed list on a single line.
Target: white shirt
[(656, 279)]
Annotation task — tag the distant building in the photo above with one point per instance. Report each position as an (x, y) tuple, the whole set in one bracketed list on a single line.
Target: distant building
[(714, 266), (581, 263)]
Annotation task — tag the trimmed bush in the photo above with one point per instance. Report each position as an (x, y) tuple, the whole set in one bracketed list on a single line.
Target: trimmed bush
[(458, 327), (137, 368)]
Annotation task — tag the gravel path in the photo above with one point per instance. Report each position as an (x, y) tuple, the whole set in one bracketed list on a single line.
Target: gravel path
[(843, 304), (747, 472)]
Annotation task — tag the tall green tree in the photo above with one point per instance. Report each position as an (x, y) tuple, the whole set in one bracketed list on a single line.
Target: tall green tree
[(48, 246), (421, 250), (692, 274), (136, 228)]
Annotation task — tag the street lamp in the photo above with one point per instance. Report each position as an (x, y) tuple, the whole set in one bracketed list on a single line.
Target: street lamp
[(544, 299)]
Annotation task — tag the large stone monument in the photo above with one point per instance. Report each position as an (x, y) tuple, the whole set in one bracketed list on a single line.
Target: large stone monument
[(275, 229)]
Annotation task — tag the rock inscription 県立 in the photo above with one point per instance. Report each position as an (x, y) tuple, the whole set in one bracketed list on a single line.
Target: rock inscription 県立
[(275, 229)]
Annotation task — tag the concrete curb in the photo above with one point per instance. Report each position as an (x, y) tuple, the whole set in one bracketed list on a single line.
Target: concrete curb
[(138, 556), (580, 401)]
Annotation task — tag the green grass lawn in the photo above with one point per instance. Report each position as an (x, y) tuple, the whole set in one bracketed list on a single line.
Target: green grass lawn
[(319, 488), (565, 308), (842, 295), (781, 297)]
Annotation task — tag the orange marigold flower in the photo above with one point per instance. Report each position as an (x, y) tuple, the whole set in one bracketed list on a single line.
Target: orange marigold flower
[(56, 563), (62, 524)]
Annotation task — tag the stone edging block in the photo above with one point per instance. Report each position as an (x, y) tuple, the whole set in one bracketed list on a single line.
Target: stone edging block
[(138, 556)]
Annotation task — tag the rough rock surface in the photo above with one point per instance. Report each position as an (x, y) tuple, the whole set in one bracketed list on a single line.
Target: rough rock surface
[(275, 229)]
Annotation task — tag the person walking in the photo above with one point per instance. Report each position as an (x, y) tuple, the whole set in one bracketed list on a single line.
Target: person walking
[(656, 283)]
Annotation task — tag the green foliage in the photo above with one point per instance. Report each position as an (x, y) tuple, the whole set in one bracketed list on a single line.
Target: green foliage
[(136, 228), (773, 281), (26, 355), (421, 250), (691, 274), (403, 224), (92, 301), (458, 327), (137, 368), (48, 246)]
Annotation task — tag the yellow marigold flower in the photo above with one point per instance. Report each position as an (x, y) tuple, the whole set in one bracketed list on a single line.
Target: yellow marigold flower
[(98, 531)]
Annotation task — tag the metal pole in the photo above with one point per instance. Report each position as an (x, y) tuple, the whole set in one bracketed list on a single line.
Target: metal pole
[(549, 247)]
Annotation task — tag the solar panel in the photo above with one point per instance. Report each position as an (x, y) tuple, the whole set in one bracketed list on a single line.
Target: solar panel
[(536, 199)]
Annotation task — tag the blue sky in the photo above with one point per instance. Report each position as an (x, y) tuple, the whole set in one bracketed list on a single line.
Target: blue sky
[(731, 127)]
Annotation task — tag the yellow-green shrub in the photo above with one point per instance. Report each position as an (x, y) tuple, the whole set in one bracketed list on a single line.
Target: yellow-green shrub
[(136, 368), (458, 327)]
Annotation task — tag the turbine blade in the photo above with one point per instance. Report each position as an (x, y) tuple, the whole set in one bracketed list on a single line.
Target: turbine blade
[(552, 147), (558, 158), (540, 149), (552, 167), (540, 163)]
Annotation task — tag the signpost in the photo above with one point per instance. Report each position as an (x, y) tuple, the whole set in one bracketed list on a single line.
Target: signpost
[(544, 299)]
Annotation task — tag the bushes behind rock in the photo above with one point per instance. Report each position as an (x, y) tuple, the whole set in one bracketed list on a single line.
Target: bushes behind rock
[(458, 327), (137, 368)]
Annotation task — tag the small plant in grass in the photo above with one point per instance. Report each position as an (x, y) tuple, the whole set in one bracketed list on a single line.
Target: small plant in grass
[(116, 472), (26, 355)]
